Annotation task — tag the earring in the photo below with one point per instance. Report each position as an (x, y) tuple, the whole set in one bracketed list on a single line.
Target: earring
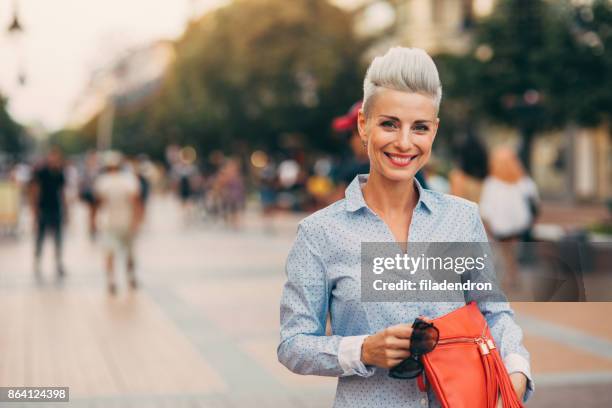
[(364, 144)]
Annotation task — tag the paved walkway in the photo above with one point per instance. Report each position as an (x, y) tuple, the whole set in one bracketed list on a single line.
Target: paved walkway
[(203, 329), (572, 216)]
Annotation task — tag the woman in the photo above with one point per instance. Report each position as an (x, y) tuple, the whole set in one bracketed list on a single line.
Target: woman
[(397, 126), (508, 205), (509, 198)]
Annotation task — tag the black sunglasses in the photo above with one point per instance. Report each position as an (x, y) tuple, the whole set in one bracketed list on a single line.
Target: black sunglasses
[(423, 340)]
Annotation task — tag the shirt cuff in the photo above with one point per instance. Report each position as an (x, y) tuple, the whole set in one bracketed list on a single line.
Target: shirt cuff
[(349, 357), (515, 363)]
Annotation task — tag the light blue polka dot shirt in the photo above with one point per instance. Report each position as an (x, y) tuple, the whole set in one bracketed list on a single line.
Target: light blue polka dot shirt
[(323, 278)]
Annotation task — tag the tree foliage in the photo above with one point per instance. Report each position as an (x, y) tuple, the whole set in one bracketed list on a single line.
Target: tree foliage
[(12, 136), (590, 98), (558, 50), (250, 73), (71, 141), (535, 65)]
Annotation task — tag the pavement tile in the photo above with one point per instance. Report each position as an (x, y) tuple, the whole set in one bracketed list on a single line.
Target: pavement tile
[(593, 318), (98, 345), (548, 356)]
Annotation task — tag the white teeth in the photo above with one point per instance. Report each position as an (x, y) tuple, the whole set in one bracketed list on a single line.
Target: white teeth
[(401, 160)]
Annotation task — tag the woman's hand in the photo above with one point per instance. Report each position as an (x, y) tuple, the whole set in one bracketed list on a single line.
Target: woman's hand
[(388, 347), (519, 383)]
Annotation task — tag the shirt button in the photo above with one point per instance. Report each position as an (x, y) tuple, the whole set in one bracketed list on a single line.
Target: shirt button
[(423, 401)]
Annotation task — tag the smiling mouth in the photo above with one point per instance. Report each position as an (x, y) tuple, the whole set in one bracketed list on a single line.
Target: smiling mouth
[(400, 160)]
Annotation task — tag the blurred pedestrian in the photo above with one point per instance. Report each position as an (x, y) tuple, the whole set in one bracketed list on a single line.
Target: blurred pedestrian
[(185, 174), (231, 186), (290, 181), (355, 160), (508, 205), (184, 185), (140, 166), (466, 179), (49, 209), (120, 214), (72, 181), (88, 176), (319, 184), (434, 177), (268, 191)]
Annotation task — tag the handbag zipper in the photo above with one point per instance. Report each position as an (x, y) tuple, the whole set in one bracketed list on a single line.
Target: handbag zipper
[(485, 345)]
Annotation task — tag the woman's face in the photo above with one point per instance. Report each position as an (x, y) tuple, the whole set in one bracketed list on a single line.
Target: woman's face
[(399, 133)]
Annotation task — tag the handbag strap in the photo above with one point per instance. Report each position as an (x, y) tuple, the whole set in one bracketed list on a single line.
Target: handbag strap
[(421, 382)]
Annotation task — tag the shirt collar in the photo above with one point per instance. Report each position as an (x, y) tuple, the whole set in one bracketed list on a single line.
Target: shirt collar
[(354, 196)]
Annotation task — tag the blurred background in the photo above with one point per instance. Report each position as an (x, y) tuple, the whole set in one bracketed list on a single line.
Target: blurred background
[(210, 128)]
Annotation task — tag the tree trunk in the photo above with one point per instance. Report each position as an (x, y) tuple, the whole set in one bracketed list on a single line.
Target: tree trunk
[(527, 135)]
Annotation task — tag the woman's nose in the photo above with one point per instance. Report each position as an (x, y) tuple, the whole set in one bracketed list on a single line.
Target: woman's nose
[(404, 140)]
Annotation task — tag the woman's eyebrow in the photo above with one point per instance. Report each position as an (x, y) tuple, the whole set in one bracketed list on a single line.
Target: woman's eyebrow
[(390, 117), (416, 122)]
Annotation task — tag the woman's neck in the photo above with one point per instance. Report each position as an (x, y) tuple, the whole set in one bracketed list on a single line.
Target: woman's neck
[(387, 197)]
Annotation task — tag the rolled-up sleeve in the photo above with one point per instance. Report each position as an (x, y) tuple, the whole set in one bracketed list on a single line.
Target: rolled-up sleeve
[(500, 317), (349, 356), (304, 348)]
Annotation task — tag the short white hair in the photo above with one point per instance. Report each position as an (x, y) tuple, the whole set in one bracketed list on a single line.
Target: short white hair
[(402, 69)]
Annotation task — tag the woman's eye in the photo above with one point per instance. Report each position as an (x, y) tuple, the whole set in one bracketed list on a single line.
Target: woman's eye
[(389, 124), (421, 128)]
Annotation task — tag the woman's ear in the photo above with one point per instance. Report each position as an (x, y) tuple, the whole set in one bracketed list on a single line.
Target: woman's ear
[(361, 127)]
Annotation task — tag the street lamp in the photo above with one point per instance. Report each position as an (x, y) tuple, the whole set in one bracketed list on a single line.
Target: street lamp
[(15, 31), (15, 27)]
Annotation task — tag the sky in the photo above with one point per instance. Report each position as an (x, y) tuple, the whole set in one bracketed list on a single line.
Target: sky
[(64, 41)]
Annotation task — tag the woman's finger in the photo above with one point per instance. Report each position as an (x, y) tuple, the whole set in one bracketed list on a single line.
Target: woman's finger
[(402, 331), (397, 354), (397, 343), (393, 362)]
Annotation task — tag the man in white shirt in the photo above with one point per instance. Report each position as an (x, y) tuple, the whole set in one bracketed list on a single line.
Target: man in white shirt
[(119, 215)]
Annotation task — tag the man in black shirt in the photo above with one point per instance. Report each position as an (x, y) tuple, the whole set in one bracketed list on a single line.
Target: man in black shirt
[(49, 205)]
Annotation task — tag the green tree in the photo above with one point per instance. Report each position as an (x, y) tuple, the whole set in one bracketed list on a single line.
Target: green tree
[(590, 99), (539, 65), (71, 141), (12, 136), (252, 71), (512, 76)]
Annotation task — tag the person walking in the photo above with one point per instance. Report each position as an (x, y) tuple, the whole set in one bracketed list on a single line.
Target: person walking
[(508, 206), (232, 192), (49, 209), (120, 211), (89, 172)]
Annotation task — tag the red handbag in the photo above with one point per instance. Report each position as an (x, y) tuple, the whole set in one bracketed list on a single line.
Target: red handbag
[(465, 369)]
